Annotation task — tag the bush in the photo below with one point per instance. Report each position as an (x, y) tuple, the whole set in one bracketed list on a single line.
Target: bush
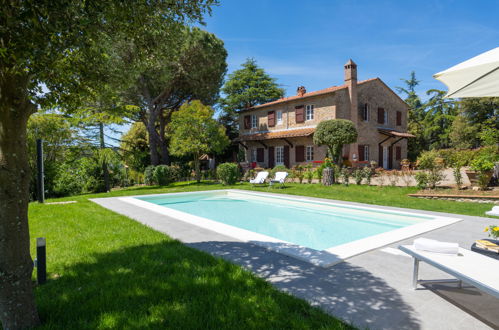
[(318, 172), (358, 175), (149, 175), (421, 180), (299, 173), (433, 166), (368, 174), (228, 173), (309, 174), (165, 175), (345, 175), (68, 181)]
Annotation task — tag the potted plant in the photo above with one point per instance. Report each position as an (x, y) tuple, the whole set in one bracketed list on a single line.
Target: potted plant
[(405, 163), (481, 170)]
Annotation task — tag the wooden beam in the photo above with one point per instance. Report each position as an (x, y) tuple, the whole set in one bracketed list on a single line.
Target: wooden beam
[(245, 147), (388, 138), (263, 144), (287, 141), (391, 145)]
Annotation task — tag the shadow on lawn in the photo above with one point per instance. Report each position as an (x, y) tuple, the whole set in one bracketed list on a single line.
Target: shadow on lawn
[(344, 290), (167, 285)]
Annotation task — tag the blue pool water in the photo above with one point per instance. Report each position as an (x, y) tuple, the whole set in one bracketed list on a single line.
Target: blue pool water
[(311, 224)]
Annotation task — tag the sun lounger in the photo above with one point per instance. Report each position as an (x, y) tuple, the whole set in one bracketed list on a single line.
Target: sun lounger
[(494, 211), (467, 266), (260, 178), (280, 177)]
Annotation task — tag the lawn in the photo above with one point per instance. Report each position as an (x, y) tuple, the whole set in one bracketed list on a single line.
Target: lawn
[(107, 271)]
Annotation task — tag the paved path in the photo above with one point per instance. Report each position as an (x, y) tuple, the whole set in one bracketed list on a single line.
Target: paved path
[(371, 290)]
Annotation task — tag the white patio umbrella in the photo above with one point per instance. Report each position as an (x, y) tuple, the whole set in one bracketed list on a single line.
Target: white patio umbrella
[(476, 77)]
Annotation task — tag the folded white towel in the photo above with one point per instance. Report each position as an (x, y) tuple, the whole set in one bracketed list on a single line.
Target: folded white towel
[(431, 245)]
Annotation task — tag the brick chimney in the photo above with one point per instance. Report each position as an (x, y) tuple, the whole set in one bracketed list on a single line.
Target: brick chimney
[(301, 90), (351, 82)]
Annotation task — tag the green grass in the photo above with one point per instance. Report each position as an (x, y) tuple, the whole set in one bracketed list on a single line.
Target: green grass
[(107, 271)]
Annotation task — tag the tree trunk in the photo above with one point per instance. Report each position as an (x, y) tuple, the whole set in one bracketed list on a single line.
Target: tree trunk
[(197, 168), (153, 136), (165, 155), (17, 302), (104, 163)]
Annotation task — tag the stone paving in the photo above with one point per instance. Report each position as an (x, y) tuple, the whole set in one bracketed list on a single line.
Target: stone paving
[(371, 290)]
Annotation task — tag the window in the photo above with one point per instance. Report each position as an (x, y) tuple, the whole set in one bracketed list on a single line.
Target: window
[(385, 117), (399, 118), (253, 121), (309, 154), (366, 112), (279, 155), (363, 153), (279, 117), (309, 113), (253, 155)]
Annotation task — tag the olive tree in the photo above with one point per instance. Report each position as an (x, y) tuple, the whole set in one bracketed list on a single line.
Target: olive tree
[(55, 52), (334, 134)]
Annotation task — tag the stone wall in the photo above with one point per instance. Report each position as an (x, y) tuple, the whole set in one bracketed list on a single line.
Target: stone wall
[(336, 105)]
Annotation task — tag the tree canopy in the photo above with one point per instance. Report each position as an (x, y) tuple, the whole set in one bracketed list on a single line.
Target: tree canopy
[(194, 70), (194, 132), (64, 46), (334, 134), (244, 88)]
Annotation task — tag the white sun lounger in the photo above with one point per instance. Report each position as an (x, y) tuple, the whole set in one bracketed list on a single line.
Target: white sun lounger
[(260, 178), (494, 211), (280, 177), (473, 268)]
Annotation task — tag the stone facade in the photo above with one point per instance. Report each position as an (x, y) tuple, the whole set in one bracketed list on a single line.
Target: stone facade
[(381, 127)]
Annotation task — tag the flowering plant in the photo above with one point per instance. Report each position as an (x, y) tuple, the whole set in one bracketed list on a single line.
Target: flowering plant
[(328, 162), (493, 231)]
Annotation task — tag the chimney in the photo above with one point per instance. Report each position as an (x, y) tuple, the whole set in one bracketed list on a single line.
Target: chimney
[(351, 82), (301, 90)]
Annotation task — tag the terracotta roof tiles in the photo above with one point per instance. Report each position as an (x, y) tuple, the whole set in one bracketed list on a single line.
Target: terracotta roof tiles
[(314, 93)]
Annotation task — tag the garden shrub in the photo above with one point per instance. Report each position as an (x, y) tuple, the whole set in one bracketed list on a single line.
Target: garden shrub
[(421, 180), (358, 175), (318, 172), (368, 174), (433, 166), (68, 181), (149, 175), (309, 173), (165, 175), (228, 173), (345, 175), (299, 173)]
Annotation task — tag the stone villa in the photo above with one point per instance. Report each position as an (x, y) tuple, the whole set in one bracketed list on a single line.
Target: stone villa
[(281, 132)]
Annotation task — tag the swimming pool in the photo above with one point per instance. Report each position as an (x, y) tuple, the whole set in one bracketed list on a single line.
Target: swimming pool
[(317, 231)]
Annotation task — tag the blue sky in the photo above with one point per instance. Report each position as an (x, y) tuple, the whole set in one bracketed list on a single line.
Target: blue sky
[(307, 42)]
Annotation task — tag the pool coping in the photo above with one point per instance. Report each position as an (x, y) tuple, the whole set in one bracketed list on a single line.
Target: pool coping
[(324, 258)]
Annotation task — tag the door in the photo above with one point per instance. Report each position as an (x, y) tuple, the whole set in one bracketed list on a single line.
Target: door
[(385, 158)]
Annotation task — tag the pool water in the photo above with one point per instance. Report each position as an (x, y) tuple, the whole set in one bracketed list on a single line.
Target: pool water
[(310, 224)]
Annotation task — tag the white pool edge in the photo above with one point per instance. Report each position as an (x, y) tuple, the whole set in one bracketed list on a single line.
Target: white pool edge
[(325, 258)]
